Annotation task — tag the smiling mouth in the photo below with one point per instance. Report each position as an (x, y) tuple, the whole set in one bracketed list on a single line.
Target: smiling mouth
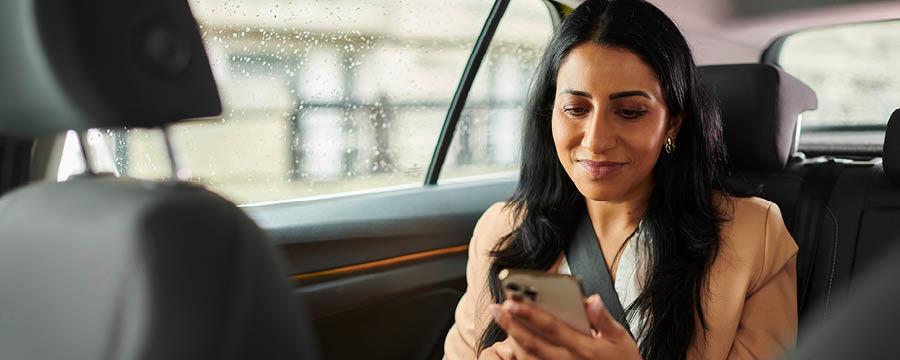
[(600, 169)]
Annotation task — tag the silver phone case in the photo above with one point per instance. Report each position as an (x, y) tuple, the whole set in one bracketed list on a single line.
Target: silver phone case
[(558, 294)]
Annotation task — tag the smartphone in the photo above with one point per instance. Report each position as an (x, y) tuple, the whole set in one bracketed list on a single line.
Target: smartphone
[(558, 294)]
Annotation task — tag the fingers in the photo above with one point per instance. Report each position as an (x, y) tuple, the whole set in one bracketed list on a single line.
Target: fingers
[(489, 354), (528, 345), (545, 324), (504, 349), (601, 320), (520, 353)]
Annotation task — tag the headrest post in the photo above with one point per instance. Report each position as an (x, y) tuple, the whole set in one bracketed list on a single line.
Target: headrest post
[(179, 171), (82, 137), (795, 147)]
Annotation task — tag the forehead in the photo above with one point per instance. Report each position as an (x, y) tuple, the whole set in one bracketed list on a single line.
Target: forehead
[(602, 70)]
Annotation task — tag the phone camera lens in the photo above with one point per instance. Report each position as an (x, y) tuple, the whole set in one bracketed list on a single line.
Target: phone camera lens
[(531, 293)]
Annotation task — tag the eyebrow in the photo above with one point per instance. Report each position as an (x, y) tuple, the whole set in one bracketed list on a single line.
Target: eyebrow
[(613, 96), (576, 93), (624, 94)]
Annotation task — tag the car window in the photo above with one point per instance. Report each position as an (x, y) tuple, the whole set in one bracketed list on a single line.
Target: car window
[(320, 97), (852, 69), (488, 134)]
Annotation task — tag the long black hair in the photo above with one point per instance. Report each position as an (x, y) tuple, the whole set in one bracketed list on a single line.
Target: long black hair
[(682, 217)]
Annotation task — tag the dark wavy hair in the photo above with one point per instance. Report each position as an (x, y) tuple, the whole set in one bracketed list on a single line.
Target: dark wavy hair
[(682, 217)]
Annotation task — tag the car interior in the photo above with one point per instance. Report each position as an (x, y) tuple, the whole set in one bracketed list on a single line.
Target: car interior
[(113, 264)]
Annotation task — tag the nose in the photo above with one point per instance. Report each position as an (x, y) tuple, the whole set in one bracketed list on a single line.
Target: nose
[(599, 133)]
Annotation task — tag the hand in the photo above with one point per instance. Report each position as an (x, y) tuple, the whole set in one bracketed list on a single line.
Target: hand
[(502, 350), (489, 354), (539, 335)]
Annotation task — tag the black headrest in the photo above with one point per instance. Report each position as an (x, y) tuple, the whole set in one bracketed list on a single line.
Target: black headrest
[(101, 63), (891, 152), (760, 105)]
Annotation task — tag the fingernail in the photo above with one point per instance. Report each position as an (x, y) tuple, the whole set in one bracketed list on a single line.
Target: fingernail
[(597, 305), (594, 298), (515, 308)]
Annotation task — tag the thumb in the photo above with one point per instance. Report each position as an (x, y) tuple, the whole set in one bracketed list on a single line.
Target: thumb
[(601, 320)]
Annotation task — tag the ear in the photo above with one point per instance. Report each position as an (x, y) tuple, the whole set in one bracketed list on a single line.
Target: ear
[(674, 125)]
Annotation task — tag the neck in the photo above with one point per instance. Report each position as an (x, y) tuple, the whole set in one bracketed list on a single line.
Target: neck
[(620, 215)]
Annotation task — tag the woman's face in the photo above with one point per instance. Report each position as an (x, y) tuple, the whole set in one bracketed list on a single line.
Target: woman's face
[(610, 122)]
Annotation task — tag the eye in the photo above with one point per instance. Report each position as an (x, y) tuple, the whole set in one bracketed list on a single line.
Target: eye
[(575, 111), (630, 113)]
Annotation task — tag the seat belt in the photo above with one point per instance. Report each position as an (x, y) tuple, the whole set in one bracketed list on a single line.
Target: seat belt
[(586, 261), (811, 210)]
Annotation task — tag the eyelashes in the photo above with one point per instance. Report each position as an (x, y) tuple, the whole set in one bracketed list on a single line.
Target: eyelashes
[(631, 114), (578, 112), (575, 112)]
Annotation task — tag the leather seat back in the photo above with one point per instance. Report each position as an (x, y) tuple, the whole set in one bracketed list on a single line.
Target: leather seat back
[(861, 319), (98, 268), (761, 106)]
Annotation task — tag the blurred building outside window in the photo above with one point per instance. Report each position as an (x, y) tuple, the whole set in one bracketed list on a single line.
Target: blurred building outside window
[(325, 97)]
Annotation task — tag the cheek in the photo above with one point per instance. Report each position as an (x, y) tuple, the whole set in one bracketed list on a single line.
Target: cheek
[(645, 142), (565, 137)]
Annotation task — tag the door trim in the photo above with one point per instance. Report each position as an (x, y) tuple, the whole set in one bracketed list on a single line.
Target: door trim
[(377, 265)]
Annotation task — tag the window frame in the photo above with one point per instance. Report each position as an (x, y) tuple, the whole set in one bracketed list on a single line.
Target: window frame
[(771, 55), (473, 65), (772, 52)]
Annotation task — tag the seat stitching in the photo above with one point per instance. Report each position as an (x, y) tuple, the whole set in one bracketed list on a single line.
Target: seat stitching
[(834, 258)]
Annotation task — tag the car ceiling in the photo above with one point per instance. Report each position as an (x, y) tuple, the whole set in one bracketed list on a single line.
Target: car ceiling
[(732, 31)]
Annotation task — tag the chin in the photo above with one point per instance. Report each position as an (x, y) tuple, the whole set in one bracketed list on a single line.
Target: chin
[(598, 192)]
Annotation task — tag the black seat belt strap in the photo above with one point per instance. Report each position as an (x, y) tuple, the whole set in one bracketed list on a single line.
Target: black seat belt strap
[(586, 261)]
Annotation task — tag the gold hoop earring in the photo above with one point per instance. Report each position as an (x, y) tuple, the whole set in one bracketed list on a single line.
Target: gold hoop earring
[(670, 145)]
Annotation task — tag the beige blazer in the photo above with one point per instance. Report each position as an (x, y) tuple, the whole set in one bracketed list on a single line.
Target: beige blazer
[(751, 305)]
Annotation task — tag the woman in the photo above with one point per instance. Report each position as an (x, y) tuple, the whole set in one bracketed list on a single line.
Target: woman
[(619, 129)]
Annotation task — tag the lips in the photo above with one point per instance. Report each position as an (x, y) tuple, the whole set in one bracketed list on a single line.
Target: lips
[(600, 169)]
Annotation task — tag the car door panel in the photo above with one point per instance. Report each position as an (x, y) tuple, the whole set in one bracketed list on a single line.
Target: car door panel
[(327, 234), (408, 328), (381, 273)]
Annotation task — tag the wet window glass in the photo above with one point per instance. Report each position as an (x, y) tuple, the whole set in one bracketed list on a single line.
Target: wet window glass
[(320, 97), (852, 68), (488, 135)]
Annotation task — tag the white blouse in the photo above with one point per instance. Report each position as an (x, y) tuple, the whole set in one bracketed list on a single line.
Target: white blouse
[(629, 277)]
